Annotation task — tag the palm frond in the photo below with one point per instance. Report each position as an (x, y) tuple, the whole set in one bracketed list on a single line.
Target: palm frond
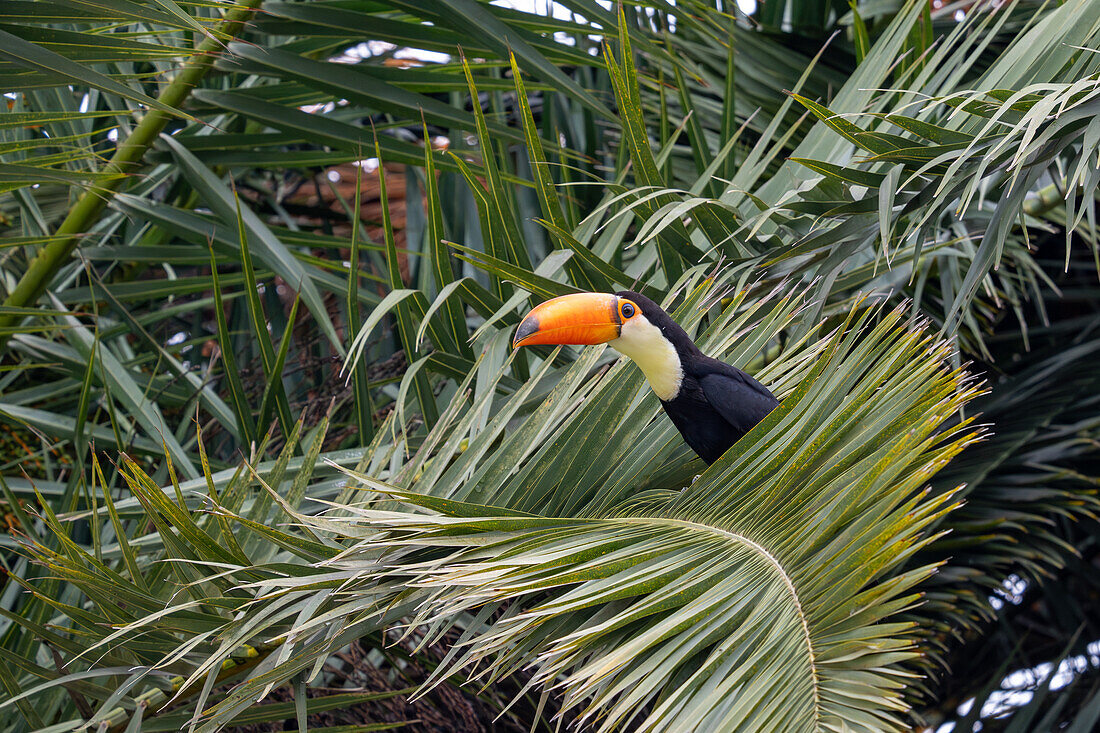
[(697, 608)]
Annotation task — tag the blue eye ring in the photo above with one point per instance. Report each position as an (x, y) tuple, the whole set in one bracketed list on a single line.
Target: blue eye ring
[(627, 310)]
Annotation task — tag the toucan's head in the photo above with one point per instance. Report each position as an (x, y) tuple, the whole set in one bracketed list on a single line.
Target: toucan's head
[(629, 322)]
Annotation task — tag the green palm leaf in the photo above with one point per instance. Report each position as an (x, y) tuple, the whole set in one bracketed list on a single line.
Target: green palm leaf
[(541, 531), (706, 608)]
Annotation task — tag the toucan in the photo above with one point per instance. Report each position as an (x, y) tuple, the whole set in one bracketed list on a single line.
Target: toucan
[(711, 403)]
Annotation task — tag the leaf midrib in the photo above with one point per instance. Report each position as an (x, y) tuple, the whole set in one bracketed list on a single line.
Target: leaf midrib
[(780, 571)]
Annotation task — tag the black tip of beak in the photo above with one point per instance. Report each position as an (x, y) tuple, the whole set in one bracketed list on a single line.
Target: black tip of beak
[(529, 326)]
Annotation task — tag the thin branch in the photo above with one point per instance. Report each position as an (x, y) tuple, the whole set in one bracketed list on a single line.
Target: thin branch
[(83, 215)]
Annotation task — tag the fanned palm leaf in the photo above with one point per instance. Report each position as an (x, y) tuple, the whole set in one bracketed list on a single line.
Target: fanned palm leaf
[(704, 608)]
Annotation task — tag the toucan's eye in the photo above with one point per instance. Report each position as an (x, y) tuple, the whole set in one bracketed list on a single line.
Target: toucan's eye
[(628, 310)]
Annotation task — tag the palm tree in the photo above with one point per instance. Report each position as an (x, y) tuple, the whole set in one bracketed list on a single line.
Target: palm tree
[(267, 437)]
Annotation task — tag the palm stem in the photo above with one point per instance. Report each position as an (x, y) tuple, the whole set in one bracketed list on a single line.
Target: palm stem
[(53, 256), (1046, 198)]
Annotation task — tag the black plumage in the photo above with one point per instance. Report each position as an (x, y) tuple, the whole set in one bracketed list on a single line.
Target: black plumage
[(717, 403)]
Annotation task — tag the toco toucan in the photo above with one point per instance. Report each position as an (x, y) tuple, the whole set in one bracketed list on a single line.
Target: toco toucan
[(711, 403)]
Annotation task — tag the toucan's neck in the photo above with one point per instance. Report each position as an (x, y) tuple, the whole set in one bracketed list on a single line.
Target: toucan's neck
[(650, 348)]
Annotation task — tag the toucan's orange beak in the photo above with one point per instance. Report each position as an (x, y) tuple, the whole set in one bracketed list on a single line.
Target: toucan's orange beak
[(580, 318)]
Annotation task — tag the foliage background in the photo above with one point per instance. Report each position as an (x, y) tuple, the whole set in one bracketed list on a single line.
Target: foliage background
[(191, 248)]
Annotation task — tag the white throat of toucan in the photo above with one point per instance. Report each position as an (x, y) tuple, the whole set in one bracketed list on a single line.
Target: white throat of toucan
[(655, 355)]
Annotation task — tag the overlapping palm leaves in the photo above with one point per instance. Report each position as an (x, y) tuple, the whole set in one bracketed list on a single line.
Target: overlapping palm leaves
[(612, 568), (710, 186), (670, 613)]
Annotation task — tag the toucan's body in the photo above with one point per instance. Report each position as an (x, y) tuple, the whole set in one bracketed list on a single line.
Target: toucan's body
[(711, 403), (716, 405)]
